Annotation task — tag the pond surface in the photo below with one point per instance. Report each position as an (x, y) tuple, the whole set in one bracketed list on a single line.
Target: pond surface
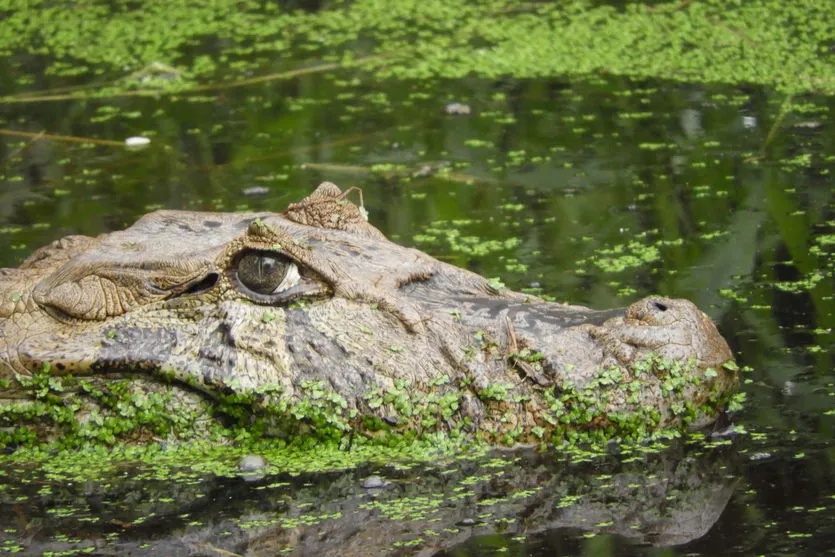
[(593, 190)]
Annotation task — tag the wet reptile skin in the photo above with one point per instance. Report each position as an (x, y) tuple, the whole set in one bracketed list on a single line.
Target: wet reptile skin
[(162, 299)]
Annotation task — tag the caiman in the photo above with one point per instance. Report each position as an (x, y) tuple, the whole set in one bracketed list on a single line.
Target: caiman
[(310, 323)]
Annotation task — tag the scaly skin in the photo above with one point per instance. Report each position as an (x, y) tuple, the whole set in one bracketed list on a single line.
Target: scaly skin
[(369, 322)]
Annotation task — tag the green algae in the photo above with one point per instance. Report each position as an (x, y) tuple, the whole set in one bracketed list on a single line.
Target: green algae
[(66, 412), (625, 256), (189, 461), (768, 42)]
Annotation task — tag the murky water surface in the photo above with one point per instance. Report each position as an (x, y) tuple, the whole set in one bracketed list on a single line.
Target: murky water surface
[(595, 191)]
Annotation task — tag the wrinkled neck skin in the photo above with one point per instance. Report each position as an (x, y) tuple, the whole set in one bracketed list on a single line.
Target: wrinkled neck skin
[(161, 300)]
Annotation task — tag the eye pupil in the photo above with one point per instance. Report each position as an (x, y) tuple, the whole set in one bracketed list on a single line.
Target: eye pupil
[(267, 267), (261, 272)]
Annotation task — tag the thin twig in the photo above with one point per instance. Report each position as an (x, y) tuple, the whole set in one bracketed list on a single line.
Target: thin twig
[(677, 7), (293, 151), (20, 149), (774, 127), (357, 169), (71, 138), (327, 167), (55, 90), (736, 32), (198, 89), (207, 545)]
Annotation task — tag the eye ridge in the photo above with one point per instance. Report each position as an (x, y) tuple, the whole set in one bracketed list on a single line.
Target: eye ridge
[(265, 272)]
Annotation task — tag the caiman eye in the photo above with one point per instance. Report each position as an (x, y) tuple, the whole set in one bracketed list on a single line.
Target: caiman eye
[(266, 273)]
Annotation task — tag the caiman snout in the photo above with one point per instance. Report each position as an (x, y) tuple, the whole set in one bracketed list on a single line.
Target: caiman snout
[(683, 330)]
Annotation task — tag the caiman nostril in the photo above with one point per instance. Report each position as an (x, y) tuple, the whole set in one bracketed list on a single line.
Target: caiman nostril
[(659, 306)]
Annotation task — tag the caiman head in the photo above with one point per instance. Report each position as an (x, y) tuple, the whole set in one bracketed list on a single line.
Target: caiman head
[(315, 304)]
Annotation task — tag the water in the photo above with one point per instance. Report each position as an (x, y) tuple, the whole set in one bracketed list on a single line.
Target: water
[(591, 190)]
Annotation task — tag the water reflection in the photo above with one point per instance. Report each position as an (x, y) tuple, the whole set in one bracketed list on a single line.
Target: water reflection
[(660, 500)]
